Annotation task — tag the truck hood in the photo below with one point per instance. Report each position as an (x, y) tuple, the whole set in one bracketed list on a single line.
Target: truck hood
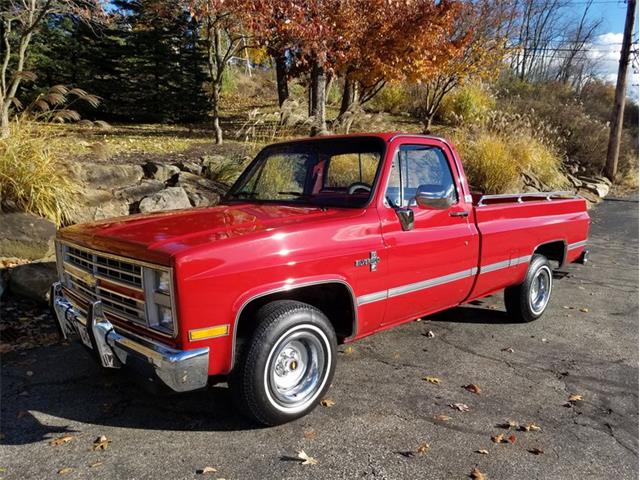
[(158, 237)]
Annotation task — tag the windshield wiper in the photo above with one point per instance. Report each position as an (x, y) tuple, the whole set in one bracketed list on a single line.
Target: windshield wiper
[(305, 196), (242, 194)]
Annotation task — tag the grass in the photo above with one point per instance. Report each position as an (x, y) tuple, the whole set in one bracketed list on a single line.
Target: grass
[(32, 177)]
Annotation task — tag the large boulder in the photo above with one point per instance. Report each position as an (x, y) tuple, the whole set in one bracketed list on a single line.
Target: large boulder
[(106, 176), (172, 198), (33, 280), (96, 204), (190, 167), (211, 165), (26, 236), (160, 171), (134, 193), (202, 192)]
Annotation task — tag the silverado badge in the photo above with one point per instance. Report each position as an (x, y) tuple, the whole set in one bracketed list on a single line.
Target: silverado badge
[(372, 261)]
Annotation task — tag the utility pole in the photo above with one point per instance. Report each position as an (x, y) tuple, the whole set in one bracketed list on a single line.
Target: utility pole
[(617, 115)]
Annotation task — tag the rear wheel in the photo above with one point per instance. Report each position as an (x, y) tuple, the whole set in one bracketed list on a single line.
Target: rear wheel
[(287, 365), (527, 301)]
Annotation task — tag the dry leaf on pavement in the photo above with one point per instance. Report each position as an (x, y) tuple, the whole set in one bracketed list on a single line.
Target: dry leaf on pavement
[(511, 439), (530, 427), (536, 451), (575, 398), (65, 470), (461, 407), (348, 350), (472, 387), (498, 438), (477, 475), (61, 440), (96, 464), (306, 459), (423, 448), (327, 402), (310, 434), (507, 425), (101, 443), (429, 334), (442, 418), (483, 451), (206, 470), (508, 350), (584, 310), (434, 380)]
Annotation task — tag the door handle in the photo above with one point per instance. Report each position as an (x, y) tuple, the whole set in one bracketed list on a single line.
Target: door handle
[(459, 214)]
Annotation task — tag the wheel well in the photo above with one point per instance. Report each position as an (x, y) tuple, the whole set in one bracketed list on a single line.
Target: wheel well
[(554, 251), (335, 300)]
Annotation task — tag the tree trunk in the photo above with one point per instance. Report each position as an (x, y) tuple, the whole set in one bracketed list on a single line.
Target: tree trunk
[(281, 78), (318, 100), (215, 106), (4, 122), (427, 122), (349, 96)]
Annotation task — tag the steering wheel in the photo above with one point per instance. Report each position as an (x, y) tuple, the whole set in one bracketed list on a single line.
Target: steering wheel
[(354, 187)]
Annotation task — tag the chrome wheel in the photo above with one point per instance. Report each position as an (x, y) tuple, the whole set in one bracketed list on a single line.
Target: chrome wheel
[(540, 291), (297, 367)]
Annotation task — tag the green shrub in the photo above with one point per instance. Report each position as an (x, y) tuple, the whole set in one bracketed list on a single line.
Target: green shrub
[(31, 176), (469, 103), (391, 99)]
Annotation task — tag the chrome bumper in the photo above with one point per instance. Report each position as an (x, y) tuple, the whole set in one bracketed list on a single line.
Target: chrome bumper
[(180, 370)]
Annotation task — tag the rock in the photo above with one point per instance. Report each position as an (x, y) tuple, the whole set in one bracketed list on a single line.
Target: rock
[(574, 181), (98, 204), (190, 167), (171, 198), (160, 171), (589, 195), (210, 164), (596, 186), (33, 280), (201, 191), (24, 235), (105, 176), (134, 193)]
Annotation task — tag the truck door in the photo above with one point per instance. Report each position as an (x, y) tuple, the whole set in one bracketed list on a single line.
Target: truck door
[(431, 266)]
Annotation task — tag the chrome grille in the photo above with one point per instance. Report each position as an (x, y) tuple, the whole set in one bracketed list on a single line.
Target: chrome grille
[(81, 268)]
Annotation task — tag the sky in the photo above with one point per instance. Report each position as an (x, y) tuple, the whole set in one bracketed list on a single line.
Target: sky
[(606, 48)]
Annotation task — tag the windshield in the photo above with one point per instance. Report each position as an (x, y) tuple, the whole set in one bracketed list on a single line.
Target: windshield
[(333, 172)]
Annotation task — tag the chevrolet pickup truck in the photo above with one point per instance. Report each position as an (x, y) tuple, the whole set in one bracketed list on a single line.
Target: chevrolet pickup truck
[(320, 241)]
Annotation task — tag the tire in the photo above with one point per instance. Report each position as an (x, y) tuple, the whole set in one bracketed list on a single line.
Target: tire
[(528, 301), (287, 365)]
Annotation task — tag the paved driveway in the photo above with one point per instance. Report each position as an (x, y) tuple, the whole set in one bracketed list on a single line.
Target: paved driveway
[(586, 344)]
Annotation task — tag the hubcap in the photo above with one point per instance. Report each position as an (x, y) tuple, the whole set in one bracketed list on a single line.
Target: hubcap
[(540, 290), (296, 369)]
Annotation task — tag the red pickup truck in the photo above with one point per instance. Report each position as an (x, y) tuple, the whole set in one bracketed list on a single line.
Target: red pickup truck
[(321, 241)]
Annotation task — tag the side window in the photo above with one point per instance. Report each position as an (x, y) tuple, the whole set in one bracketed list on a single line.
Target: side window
[(417, 167)]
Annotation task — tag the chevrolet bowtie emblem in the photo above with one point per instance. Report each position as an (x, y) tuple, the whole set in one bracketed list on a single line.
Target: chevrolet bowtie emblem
[(372, 261)]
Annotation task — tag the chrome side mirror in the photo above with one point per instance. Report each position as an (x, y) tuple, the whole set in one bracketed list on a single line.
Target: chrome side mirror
[(435, 197), (405, 215)]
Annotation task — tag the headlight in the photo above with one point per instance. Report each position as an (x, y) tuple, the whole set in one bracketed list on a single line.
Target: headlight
[(163, 282), (165, 318)]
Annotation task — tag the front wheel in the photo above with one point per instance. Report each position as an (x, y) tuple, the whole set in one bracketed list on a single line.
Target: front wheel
[(527, 301), (287, 364)]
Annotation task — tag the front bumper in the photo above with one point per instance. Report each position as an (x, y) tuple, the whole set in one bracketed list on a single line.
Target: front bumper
[(180, 370)]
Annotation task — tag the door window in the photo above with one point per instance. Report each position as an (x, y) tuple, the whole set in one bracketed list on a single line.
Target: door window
[(414, 168)]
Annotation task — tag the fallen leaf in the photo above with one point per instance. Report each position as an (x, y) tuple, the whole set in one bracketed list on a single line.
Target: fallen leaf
[(429, 334), (327, 402), (306, 459), (61, 440), (348, 350), (508, 424), (511, 439), (418, 319), (483, 452), (461, 407), (206, 470), (101, 443), (584, 310), (434, 380), (310, 434), (508, 349), (536, 451), (96, 464), (498, 438), (442, 418), (477, 474), (65, 470), (575, 398), (423, 448), (530, 427), (472, 387)]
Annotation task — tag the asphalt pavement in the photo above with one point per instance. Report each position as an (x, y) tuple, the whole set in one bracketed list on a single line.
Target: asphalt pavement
[(585, 346)]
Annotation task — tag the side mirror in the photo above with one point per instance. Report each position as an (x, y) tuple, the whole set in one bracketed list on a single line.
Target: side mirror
[(405, 215), (435, 196)]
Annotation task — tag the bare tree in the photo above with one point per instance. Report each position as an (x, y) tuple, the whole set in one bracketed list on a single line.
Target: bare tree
[(19, 20)]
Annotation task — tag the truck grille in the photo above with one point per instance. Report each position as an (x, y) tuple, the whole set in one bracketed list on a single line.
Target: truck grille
[(92, 277)]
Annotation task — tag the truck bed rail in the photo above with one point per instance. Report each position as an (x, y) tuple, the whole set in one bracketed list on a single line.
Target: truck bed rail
[(522, 197)]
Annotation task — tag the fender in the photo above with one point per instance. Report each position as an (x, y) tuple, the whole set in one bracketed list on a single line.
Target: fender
[(285, 286)]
